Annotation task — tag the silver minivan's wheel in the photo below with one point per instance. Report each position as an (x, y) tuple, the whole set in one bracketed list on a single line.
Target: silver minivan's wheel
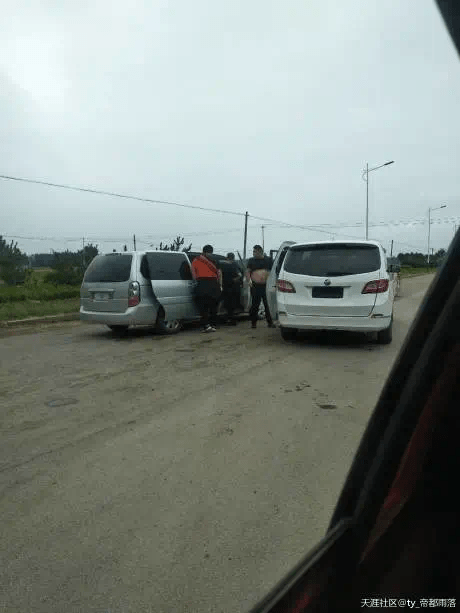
[(384, 337), (165, 326), (118, 330), (288, 334)]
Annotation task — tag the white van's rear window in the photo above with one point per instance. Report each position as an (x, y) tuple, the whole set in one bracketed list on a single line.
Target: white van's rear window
[(111, 268), (332, 260)]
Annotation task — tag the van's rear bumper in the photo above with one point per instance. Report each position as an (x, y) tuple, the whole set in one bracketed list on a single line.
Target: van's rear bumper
[(352, 324), (141, 315)]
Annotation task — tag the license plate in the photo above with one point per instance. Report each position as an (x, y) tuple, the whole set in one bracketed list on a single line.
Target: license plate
[(327, 292), (101, 296)]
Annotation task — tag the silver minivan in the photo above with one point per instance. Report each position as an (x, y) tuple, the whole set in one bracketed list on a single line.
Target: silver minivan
[(141, 288)]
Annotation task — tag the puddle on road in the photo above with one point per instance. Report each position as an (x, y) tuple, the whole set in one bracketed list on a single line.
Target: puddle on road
[(61, 402)]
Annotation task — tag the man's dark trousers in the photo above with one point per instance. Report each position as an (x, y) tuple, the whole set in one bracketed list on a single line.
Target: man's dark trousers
[(231, 298), (258, 294)]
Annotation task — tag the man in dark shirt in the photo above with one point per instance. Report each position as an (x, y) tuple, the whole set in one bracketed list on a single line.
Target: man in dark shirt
[(258, 269), (231, 284)]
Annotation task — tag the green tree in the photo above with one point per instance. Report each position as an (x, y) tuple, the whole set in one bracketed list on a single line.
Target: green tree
[(438, 258), (42, 260), (69, 266), (89, 253), (413, 259), (175, 245), (13, 263)]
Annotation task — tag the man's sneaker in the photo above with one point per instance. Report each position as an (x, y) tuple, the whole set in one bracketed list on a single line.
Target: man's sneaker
[(209, 328)]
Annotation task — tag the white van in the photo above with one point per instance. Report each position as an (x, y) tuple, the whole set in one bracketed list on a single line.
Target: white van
[(142, 288), (332, 285)]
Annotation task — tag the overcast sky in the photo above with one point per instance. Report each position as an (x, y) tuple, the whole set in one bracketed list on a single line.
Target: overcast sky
[(270, 107)]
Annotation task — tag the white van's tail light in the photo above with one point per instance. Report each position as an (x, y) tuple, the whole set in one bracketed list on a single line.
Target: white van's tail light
[(134, 294), (376, 287), (285, 286)]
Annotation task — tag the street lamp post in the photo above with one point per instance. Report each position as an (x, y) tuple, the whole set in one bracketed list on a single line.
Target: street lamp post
[(429, 228), (366, 174)]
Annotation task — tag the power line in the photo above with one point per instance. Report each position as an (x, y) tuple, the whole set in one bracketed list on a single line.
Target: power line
[(317, 227), (143, 239), (359, 224), (320, 228), (201, 233), (148, 237), (116, 194), (310, 228), (64, 239)]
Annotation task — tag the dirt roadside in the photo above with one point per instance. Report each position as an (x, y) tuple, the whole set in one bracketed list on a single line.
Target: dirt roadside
[(184, 473)]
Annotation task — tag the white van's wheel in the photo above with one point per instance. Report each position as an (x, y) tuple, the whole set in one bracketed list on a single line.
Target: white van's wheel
[(288, 334), (119, 330), (384, 337), (165, 326)]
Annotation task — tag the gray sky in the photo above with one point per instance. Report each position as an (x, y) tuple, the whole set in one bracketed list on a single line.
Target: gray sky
[(268, 107)]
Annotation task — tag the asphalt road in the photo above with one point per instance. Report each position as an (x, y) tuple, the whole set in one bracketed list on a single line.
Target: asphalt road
[(174, 474)]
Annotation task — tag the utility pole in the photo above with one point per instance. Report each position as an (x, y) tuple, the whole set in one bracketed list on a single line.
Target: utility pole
[(366, 174), (263, 239), (83, 251), (429, 229), (391, 250), (246, 215), (134, 237), (367, 201)]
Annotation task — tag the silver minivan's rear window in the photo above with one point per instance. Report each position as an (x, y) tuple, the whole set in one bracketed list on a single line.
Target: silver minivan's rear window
[(332, 260), (109, 268)]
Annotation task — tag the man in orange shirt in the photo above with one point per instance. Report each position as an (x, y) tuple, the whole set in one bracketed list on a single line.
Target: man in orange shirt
[(208, 288)]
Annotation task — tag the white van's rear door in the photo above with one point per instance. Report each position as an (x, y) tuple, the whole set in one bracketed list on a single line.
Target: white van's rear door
[(329, 279), (273, 277)]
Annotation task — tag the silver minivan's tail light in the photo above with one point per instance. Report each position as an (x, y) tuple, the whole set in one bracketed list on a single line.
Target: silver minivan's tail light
[(376, 287), (134, 294), (285, 286)]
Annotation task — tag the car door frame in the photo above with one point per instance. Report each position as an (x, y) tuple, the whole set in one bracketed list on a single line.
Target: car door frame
[(245, 294), (273, 278), (179, 305)]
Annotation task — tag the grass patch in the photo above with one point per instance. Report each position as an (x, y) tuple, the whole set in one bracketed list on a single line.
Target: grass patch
[(415, 272), (40, 291), (21, 310), (35, 288)]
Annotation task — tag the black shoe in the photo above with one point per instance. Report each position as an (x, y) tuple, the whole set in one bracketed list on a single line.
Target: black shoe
[(270, 324), (253, 325)]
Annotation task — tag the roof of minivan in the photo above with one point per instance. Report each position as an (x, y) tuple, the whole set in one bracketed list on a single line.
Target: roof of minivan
[(355, 241), (192, 254), (142, 252)]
